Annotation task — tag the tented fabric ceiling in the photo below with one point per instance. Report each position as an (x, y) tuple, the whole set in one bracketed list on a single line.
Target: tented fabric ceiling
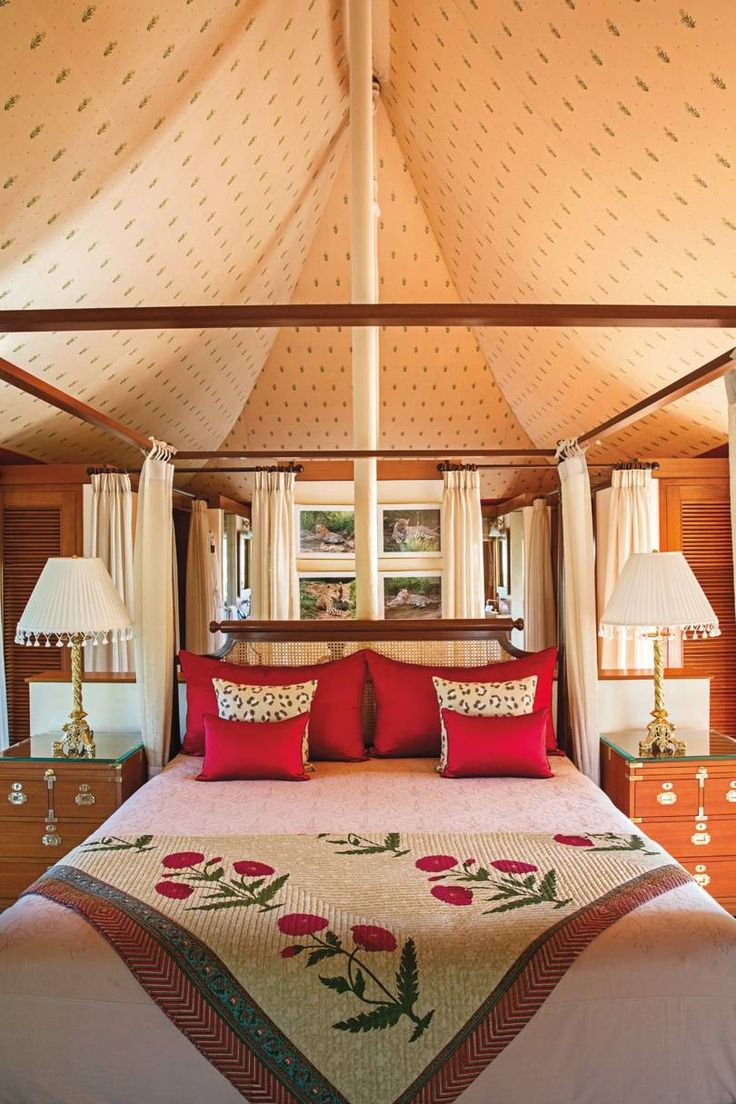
[(529, 150)]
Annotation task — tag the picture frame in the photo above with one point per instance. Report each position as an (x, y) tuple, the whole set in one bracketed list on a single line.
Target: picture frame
[(410, 530), (326, 596), (325, 532), (416, 595)]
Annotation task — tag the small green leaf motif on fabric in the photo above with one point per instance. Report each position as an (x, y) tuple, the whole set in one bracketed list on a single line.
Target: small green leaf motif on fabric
[(114, 843), (361, 845)]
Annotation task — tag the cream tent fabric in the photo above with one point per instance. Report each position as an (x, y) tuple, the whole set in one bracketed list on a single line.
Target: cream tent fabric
[(275, 585), (201, 600), (627, 520), (462, 545), (581, 636), (174, 155), (540, 624), (155, 607), (110, 537)]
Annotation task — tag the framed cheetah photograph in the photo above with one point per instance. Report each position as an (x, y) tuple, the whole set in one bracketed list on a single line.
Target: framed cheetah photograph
[(327, 596), (410, 530), (325, 532), (417, 596)]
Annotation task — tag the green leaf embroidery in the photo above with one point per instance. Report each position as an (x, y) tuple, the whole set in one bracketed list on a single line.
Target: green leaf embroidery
[(385, 1015), (319, 955), (339, 984), (407, 975)]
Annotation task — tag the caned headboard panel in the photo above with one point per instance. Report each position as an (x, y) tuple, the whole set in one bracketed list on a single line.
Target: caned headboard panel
[(469, 643)]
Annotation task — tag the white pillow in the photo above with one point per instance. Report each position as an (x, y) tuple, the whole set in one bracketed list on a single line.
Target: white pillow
[(483, 699)]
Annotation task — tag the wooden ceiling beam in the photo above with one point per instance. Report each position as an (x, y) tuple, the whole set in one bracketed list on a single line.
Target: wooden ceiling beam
[(365, 314), (678, 389), (32, 385)]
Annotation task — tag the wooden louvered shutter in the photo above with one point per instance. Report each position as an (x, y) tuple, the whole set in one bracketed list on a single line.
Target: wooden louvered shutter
[(35, 525), (696, 518)]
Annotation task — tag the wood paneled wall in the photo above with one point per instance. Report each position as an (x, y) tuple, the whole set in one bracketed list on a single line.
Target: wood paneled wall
[(695, 518), (35, 523)]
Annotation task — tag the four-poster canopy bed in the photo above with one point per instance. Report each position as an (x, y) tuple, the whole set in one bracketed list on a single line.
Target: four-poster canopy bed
[(372, 868)]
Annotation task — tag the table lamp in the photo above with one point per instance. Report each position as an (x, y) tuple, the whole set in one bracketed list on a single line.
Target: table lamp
[(658, 595), (74, 603)]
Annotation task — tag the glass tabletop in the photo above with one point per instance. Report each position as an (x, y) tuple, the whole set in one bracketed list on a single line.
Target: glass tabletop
[(112, 747), (701, 744)]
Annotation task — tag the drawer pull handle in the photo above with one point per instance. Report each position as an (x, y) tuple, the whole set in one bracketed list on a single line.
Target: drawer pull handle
[(731, 792), (51, 840), (17, 797), (702, 879), (84, 797), (700, 839), (667, 798)]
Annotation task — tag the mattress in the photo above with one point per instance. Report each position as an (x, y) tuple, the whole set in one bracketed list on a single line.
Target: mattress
[(647, 1013)]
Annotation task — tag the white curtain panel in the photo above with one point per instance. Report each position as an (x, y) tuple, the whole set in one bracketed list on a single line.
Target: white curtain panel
[(111, 538), (730, 381), (275, 586), (462, 546), (627, 520), (540, 619), (581, 637), (200, 604), (155, 637)]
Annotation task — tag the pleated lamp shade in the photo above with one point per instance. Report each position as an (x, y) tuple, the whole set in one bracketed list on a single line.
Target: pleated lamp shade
[(74, 595), (658, 592)]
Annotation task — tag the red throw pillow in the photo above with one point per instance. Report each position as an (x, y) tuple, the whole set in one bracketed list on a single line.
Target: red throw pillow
[(335, 719), (407, 713), (489, 747), (253, 749)]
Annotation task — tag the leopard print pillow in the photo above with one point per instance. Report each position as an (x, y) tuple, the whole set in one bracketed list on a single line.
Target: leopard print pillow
[(483, 699), (237, 702)]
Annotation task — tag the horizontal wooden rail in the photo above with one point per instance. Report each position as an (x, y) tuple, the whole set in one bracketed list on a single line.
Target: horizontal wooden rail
[(366, 314), (353, 454), (348, 630)]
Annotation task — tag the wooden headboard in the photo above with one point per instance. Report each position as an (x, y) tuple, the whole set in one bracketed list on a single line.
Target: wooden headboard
[(466, 643)]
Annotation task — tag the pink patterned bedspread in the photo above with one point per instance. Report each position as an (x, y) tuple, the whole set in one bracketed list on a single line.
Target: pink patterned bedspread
[(647, 1013)]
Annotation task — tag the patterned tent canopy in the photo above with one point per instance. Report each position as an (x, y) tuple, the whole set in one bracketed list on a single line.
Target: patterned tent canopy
[(198, 152)]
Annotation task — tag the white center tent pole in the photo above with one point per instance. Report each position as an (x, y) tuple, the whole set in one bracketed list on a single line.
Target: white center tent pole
[(364, 275)]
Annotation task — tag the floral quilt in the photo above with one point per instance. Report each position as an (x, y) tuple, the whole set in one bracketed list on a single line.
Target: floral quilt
[(346, 968)]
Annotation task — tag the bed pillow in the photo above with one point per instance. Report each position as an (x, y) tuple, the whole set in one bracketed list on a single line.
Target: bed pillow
[(254, 749), (335, 728), (407, 717), (490, 747), (482, 699), (237, 701)]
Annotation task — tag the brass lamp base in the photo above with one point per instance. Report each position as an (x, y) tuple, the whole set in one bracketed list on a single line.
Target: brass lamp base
[(660, 739), (78, 742)]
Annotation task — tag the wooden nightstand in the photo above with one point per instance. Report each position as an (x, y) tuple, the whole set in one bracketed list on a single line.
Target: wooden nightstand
[(687, 804), (48, 804)]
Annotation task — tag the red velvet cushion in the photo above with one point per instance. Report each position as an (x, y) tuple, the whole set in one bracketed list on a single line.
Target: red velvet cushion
[(407, 714), (335, 730), (253, 749), (487, 747)]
